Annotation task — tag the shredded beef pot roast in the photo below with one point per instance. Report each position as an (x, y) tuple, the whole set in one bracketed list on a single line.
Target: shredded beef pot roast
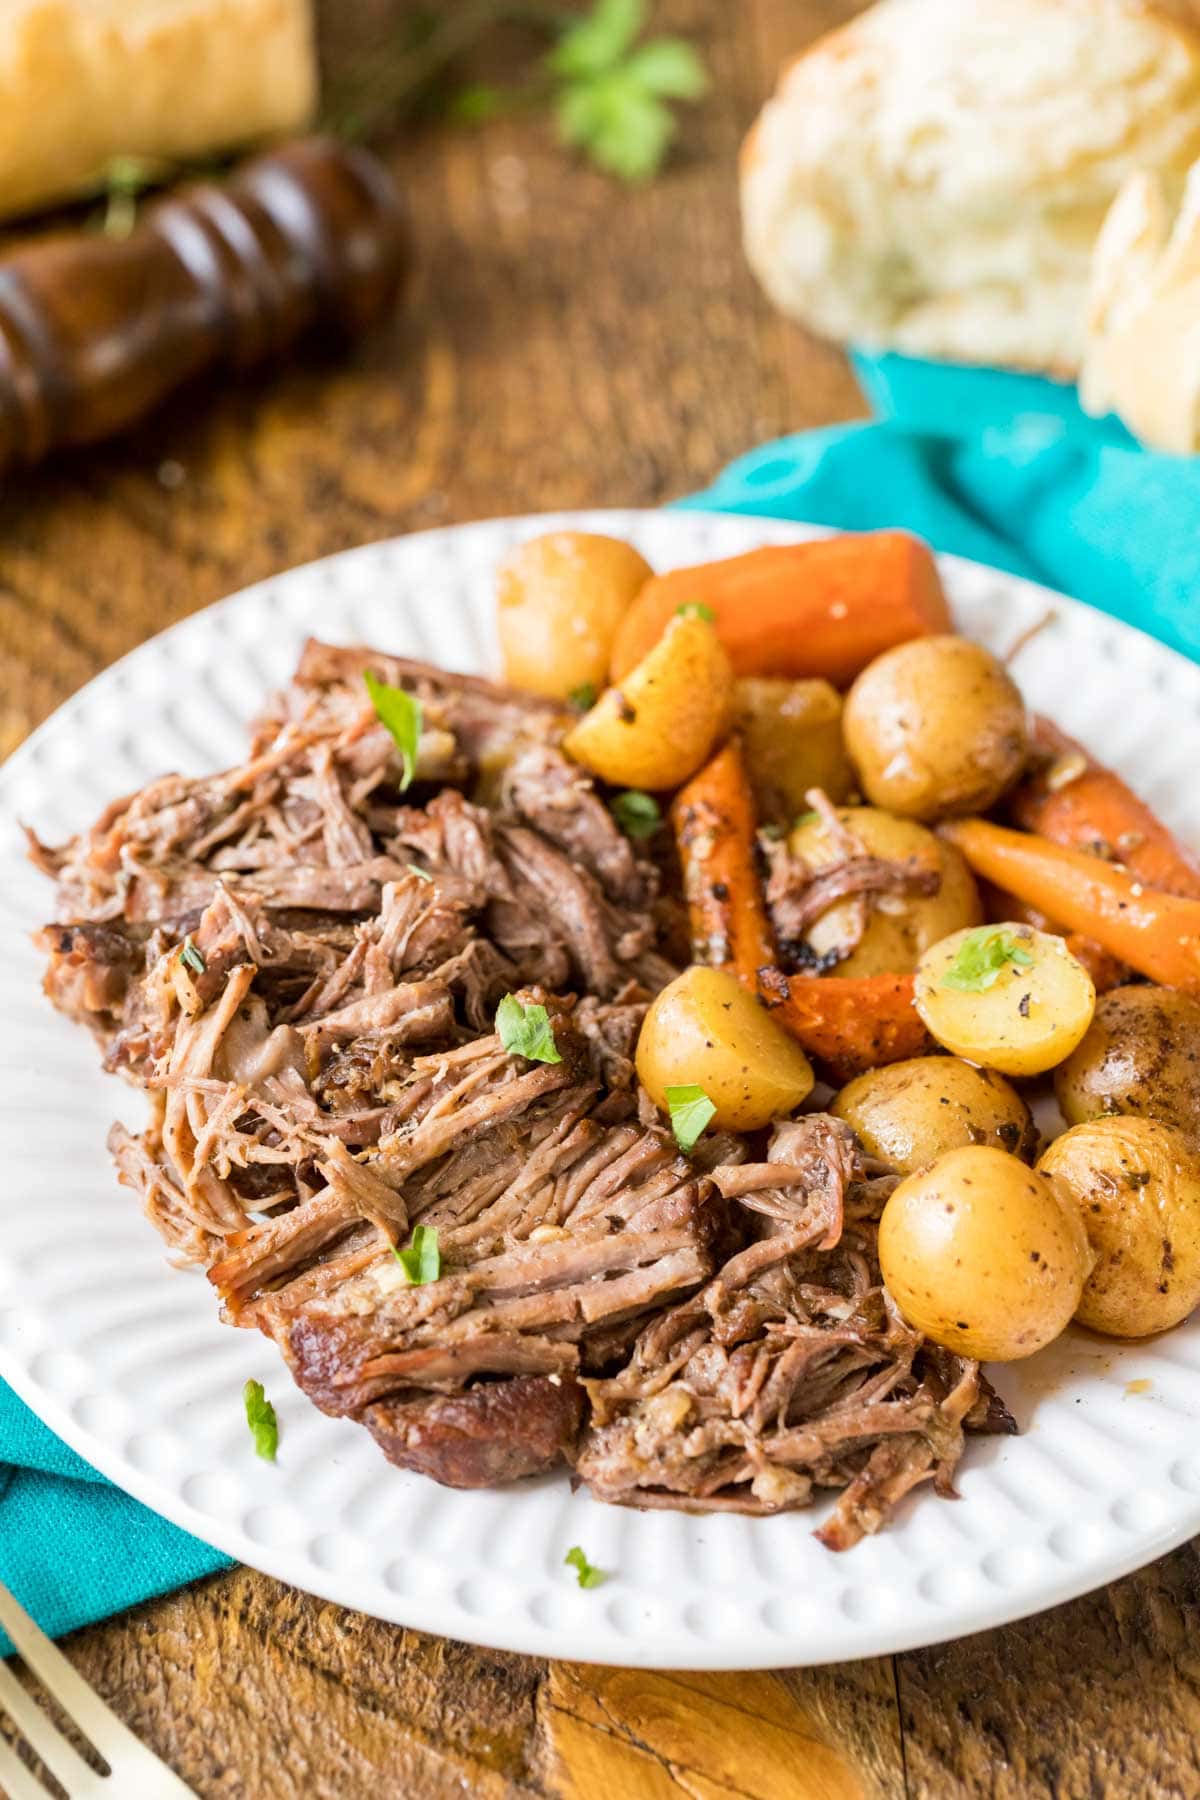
[(324, 1075)]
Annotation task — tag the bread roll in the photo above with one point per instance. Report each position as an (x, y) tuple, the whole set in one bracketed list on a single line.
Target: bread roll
[(933, 176), (84, 81), (1143, 326)]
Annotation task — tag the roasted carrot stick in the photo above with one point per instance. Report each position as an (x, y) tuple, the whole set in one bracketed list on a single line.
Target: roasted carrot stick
[(715, 824), (848, 1023), (1105, 970), (1073, 800), (825, 608), (1157, 934)]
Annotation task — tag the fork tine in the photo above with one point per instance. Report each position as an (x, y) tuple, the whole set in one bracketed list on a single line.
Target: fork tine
[(42, 1734), (15, 1779), (139, 1770)]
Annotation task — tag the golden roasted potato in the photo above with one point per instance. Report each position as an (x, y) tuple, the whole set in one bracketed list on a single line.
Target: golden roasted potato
[(1141, 1055), (1136, 1186), (559, 600), (900, 927), (661, 723), (705, 1030), (791, 734), (1007, 996), (910, 1113), (980, 1254), (936, 727)]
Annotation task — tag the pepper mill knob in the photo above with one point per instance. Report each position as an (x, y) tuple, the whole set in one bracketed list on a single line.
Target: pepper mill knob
[(95, 332)]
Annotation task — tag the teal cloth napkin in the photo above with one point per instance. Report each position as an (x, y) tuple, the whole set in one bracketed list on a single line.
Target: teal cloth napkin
[(1002, 468), (73, 1548)]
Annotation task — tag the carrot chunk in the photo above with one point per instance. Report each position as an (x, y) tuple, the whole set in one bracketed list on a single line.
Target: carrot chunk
[(715, 824), (1074, 800), (1156, 933), (847, 1023), (824, 608)]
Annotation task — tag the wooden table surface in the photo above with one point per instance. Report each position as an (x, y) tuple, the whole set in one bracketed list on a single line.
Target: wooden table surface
[(568, 343)]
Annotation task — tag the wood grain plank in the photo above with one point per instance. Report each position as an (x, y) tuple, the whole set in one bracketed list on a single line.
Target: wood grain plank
[(826, 1734), (1100, 1697), (252, 1689)]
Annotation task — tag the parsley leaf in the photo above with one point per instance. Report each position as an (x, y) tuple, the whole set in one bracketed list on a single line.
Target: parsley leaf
[(600, 40), (982, 957), (403, 715), (639, 815), (421, 1260), (260, 1417), (612, 103), (691, 1111), (696, 609), (191, 956), (807, 818), (624, 130), (586, 1573), (421, 874), (525, 1030), (583, 696), (669, 68)]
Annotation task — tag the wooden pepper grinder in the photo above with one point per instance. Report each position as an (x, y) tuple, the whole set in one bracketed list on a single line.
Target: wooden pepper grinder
[(94, 331)]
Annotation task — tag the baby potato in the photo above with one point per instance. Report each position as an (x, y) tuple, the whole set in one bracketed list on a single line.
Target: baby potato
[(559, 600), (900, 927), (661, 723), (910, 1113), (705, 1029), (1141, 1055), (791, 733), (981, 1255), (936, 727), (1136, 1186), (1007, 996)]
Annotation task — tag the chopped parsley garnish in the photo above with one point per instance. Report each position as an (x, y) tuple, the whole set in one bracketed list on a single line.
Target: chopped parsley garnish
[(586, 1573), (192, 957), (525, 1030), (639, 815), (611, 92), (421, 874), (691, 1111), (807, 818), (403, 715), (982, 957), (260, 1417), (583, 697), (421, 1260), (696, 609)]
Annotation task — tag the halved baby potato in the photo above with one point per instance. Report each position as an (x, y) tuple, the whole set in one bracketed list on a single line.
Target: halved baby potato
[(661, 723), (1006, 996), (705, 1030)]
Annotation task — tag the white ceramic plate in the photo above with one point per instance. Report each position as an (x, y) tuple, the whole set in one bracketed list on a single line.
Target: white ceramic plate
[(127, 1361)]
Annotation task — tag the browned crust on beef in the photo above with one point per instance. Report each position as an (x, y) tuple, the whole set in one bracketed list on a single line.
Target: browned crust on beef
[(496, 1432)]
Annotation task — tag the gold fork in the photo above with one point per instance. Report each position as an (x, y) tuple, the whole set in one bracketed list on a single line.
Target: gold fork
[(135, 1773)]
